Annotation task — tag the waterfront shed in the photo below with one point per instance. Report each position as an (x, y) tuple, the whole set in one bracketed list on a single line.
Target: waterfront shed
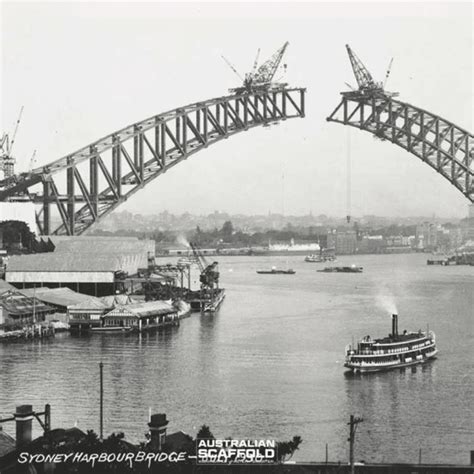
[(17, 310), (141, 316)]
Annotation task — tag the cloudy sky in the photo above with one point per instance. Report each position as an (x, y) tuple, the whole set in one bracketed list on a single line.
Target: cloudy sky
[(84, 70)]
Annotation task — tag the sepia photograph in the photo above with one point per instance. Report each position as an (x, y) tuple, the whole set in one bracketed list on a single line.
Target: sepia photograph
[(236, 237)]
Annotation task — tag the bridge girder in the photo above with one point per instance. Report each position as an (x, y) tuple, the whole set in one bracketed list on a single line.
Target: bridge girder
[(442, 145), (104, 174)]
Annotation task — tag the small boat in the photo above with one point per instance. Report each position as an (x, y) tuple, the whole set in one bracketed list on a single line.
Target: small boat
[(276, 271), (313, 258), (394, 351), (351, 269)]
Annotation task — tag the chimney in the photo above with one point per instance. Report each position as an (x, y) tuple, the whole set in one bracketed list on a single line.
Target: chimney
[(157, 426), (394, 325), (24, 422)]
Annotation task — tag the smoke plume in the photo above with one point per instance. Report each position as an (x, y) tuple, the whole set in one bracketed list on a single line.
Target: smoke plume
[(182, 240)]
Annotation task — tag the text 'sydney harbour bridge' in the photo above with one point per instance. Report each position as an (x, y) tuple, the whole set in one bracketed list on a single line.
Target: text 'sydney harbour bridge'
[(88, 184)]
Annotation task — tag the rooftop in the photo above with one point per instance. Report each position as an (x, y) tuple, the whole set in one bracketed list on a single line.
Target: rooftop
[(114, 300), (64, 297), (64, 262), (149, 308), (14, 303)]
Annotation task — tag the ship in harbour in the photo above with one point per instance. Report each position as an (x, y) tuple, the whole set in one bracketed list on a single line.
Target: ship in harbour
[(276, 271), (351, 269), (395, 350)]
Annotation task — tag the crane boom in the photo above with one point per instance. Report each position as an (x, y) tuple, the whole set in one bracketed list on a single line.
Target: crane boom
[(255, 63), (266, 72), (261, 77), (200, 259), (16, 130), (363, 77), (367, 86), (387, 74), (232, 67)]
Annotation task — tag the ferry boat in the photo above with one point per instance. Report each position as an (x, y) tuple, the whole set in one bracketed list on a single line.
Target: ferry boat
[(396, 350)]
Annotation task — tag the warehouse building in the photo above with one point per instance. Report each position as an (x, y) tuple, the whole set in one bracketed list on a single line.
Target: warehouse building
[(94, 266)]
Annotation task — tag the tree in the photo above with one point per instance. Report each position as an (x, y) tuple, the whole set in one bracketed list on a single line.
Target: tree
[(227, 229), (285, 450), (205, 433), (16, 233)]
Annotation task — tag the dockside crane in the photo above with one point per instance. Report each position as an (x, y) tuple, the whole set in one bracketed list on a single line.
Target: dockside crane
[(261, 78), (209, 277)]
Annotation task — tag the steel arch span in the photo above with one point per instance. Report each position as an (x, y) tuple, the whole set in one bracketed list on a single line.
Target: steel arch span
[(444, 146), (88, 184)]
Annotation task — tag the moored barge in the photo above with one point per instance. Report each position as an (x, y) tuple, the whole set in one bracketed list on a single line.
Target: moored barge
[(396, 350), (351, 269), (276, 271)]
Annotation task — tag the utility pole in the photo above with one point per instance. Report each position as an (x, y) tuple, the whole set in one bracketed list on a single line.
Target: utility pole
[(101, 429), (354, 421)]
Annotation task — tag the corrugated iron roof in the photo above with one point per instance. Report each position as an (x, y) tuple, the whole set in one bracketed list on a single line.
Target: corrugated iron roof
[(114, 300), (65, 297), (149, 308), (115, 246), (15, 303), (64, 262)]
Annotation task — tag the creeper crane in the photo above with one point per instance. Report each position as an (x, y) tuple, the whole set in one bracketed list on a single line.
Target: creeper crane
[(261, 78)]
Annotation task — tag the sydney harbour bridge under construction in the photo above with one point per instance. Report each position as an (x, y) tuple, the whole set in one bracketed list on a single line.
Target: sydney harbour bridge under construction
[(85, 186)]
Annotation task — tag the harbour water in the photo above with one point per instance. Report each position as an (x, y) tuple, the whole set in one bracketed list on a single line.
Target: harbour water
[(270, 363)]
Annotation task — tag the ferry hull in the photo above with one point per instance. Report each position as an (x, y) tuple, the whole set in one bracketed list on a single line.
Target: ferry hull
[(356, 369)]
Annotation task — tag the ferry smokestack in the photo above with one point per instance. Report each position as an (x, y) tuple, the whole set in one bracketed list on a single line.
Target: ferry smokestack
[(394, 325)]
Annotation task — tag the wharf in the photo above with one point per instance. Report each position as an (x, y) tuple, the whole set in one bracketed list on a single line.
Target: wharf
[(206, 302), (34, 332)]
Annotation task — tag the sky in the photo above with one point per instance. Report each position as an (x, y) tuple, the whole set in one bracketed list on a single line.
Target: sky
[(84, 70)]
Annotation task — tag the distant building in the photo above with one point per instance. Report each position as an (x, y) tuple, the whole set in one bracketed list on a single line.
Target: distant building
[(345, 242), (427, 236), (371, 244), (294, 247)]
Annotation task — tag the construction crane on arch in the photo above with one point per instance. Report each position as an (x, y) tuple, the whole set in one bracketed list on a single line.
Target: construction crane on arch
[(7, 161), (366, 85), (261, 78)]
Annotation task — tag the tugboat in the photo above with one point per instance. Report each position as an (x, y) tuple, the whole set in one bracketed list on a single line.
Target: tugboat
[(276, 271), (396, 350)]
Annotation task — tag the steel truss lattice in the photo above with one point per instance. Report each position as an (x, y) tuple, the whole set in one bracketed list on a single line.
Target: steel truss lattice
[(87, 185), (442, 145)]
